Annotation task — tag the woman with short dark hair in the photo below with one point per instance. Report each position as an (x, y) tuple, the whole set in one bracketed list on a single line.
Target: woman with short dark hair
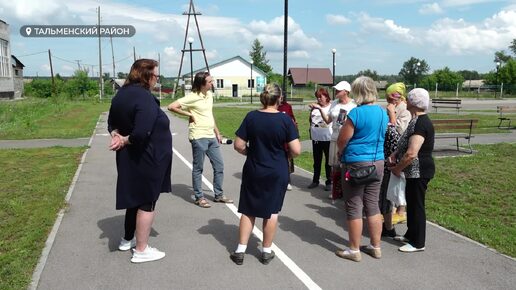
[(140, 135), (320, 133)]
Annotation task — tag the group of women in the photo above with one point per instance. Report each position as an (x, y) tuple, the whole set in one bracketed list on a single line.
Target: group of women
[(269, 138), (399, 142)]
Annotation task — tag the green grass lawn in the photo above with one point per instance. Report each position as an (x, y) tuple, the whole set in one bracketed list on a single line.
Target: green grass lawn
[(40, 118), (33, 185), (472, 195)]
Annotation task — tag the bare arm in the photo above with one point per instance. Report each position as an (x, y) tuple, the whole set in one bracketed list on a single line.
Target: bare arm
[(326, 118), (240, 145), (294, 148), (176, 108), (217, 132), (345, 134), (415, 143), (392, 114)]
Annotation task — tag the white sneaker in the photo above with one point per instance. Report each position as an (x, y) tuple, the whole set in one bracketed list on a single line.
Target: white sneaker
[(148, 255), (408, 248), (126, 245), (289, 187)]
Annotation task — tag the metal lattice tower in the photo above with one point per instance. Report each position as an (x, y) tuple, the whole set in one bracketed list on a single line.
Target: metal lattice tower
[(191, 11)]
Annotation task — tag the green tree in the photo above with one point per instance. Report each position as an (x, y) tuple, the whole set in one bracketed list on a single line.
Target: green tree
[(368, 73), (506, 76), (512, 47), (121, 75), (469, 74), (411, 72), (501, 57), (39, 88), (259, 57), (446, 79), (80, 85)]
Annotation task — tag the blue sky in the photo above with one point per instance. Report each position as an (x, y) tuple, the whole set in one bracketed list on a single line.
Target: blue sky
[(376, 35)]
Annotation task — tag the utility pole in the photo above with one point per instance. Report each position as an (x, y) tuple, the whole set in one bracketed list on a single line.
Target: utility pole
[(101, 80), (134, 53), (52, 73), (191, 11), (78, 64), (285, 45), (159, 73), (113, 59)]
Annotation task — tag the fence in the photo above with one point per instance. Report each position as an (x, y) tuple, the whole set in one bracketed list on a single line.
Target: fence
[(459, 91)]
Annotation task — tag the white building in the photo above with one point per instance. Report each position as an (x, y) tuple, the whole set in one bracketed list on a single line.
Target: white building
[(234, 77), (6, 76)]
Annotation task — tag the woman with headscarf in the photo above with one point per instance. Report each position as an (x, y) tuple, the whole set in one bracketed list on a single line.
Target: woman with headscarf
[(414, 158), (399, 117)]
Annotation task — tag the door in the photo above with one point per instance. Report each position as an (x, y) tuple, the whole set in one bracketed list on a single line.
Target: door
[(235, 91)]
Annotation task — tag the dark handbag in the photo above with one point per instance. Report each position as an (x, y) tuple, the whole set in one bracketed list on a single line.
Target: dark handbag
[(363, 175)]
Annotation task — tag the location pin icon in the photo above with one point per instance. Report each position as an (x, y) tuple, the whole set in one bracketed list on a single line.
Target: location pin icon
[(28, 30)]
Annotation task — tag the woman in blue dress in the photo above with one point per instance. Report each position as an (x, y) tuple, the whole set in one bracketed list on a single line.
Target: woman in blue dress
[(262, 137)]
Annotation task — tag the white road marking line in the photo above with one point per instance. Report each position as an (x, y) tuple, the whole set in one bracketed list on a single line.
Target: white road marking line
[(291, 265)]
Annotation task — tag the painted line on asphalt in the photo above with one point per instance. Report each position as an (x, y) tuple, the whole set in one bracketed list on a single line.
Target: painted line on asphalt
[(291, 265)]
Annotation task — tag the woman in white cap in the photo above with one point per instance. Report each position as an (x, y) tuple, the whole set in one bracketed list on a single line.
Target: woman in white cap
[(339, 109), (414, 158)]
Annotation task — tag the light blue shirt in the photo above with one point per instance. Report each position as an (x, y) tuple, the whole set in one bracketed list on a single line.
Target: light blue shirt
[(366, 144)]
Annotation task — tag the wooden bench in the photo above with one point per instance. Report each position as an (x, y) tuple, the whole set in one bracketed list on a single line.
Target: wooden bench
[(504, 110), (447, 103), (455, 129)]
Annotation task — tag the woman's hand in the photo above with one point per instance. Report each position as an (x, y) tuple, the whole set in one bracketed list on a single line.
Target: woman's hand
[(395, 170), (118, 141), (191, 119)]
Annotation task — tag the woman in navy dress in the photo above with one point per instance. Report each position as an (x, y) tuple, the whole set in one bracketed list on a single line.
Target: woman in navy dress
[(261, 137), (143, 143)]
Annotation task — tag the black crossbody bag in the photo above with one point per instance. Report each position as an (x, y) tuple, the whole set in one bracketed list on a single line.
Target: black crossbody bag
[(365, 174)]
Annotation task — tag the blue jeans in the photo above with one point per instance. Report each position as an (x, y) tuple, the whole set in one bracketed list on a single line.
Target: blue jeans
[(211, 148)]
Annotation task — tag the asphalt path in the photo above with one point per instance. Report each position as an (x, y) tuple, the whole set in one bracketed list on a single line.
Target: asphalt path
[(81, 252)]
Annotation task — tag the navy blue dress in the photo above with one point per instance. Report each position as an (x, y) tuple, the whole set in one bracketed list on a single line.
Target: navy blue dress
[(265, 172), (144, 166)]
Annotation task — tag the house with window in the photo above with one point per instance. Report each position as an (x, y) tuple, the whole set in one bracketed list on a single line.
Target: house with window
[(234, 77), (6, 73), (11, 68), (17, 71)]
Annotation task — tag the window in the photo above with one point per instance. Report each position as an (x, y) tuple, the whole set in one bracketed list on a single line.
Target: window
[(220, 83), (250, 82), (16, 72), (4, 59)]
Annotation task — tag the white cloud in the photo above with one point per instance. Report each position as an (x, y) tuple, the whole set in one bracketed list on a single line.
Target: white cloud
[(386, 27), (459, 37), (454, 3), (433, 8), (45, 67), (270, 35), (337, 19)]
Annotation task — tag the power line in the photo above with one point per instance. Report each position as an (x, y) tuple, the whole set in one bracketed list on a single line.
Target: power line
[(32, 53)]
